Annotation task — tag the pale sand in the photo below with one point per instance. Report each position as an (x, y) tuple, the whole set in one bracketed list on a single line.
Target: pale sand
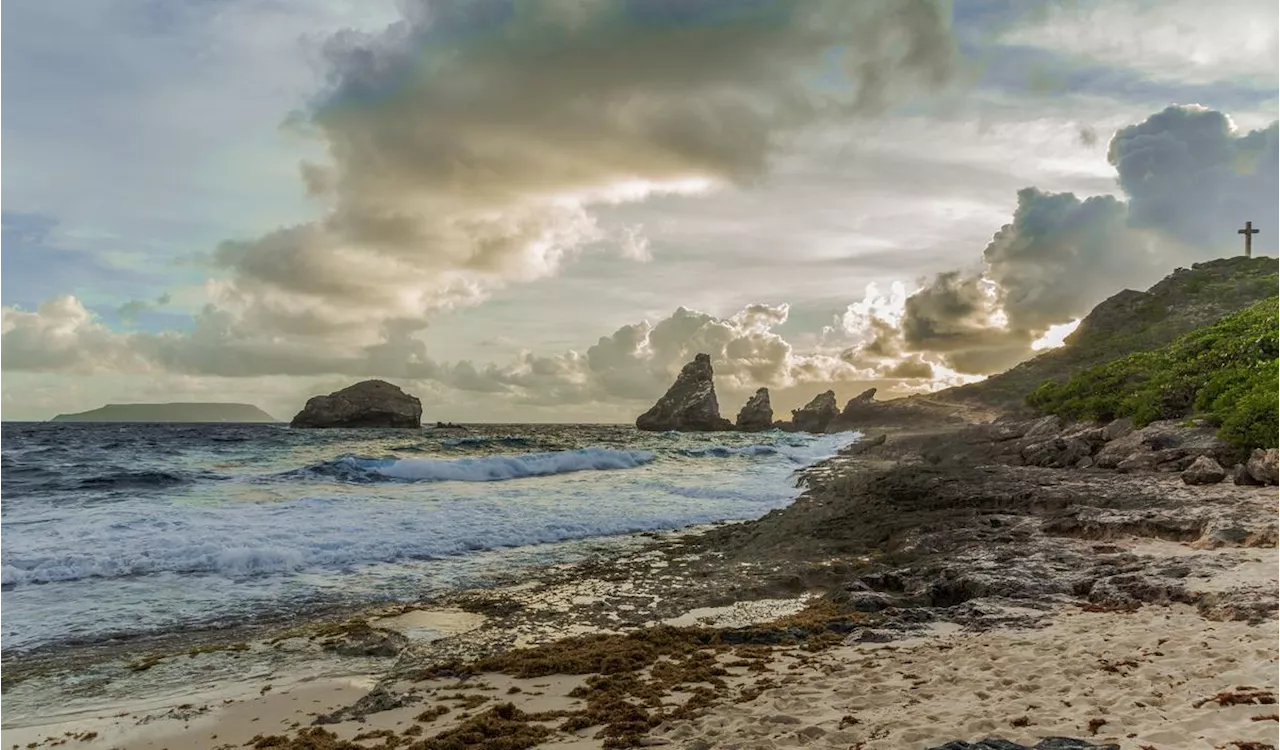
[(1142, 673), (430, 624)]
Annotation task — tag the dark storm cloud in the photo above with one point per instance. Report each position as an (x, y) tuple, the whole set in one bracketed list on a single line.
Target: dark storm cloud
[(467, 141), (1191, 180), (1190, 175)]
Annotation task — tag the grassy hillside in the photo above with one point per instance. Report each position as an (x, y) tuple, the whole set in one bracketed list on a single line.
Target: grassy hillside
[(1226, 372), (1129, 322)]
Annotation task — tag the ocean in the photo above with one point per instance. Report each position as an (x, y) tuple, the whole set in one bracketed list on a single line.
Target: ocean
[(123, 530)]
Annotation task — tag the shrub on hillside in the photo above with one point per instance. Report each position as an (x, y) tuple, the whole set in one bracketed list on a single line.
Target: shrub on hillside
[(1226, 372)]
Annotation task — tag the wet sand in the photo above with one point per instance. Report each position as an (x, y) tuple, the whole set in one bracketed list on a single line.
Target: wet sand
[(992, 602)]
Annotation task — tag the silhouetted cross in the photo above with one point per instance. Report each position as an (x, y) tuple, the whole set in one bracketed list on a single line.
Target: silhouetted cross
[(1248, 233)]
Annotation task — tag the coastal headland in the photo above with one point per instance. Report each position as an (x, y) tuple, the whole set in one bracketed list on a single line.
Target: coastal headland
[(959, 573)]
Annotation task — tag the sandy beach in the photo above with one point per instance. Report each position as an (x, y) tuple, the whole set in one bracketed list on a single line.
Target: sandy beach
[(1163, 677), (1120, 609)]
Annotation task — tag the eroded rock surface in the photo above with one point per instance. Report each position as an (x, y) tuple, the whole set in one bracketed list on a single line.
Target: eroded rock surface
[(1204, 470), (815, 416), (370, 403), (1262, 466), (757, 414), (1167, 445), (689, 405)]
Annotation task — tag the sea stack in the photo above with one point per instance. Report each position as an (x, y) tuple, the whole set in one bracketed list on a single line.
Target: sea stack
[(816, 415), (757, 413), (689, 405), (370, 403)]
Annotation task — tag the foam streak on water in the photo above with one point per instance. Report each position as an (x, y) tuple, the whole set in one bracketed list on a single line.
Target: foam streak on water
[(113, 529)]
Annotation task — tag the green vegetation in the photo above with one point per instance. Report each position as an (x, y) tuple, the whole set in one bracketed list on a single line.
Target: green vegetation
[(1130, 321), (1225, 372)]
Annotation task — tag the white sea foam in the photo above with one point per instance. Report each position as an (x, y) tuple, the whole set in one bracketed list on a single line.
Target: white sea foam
[(500, 467), (199, 551)]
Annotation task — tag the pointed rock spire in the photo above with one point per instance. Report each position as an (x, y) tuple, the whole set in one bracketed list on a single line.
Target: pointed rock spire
[(689, 404), (757, 413)]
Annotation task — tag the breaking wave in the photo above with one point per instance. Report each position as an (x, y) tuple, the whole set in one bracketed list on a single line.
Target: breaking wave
[(724, 451), (134, 479), (497, 468), (486, 442)]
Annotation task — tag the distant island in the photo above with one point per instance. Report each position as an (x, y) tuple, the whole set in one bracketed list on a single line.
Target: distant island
[(181, 412)]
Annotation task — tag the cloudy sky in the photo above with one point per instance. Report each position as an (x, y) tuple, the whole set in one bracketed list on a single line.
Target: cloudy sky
[(539, 211)]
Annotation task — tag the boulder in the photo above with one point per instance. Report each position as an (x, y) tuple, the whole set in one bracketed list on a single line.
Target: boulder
[(1117, 428), (1043, 427), (816, 415), (1119, 449), (1056, 453), (1095, 436), (1167, 459), (1001, 431), (370, 403), (689, 405), (1240, 475), (1204, 470), (1262, 466), (1167, 445), (757, 413)]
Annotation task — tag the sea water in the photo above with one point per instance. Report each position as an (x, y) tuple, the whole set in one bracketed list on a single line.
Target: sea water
[(124, 530)]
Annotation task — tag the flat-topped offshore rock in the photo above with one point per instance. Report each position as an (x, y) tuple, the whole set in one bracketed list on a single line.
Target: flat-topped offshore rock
[(179, 412), (371, 403), (689, 405)]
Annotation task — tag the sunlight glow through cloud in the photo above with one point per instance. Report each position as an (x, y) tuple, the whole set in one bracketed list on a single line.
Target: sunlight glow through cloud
[(1054, 337)]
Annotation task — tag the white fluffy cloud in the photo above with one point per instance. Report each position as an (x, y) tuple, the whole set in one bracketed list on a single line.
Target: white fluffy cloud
[(469, 142), (1171, 40), (1190, 178), (1057, 257), (615, 376), (720, 152)]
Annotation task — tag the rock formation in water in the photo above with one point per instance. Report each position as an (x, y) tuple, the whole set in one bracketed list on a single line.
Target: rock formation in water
[(689, 404), (370, 403), (816, 415), (180, 412), (756, 414)]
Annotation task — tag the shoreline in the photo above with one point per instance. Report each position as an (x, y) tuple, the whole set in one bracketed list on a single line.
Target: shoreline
[(244, 573), (862, 614)]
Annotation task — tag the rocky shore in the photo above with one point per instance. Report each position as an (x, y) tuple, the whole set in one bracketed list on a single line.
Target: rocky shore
[(933, 587)]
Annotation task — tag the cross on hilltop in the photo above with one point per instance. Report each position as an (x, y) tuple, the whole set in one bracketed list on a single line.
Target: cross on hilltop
[(1248, 233)]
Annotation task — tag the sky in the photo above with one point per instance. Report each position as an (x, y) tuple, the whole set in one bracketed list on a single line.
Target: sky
[(540, 211)]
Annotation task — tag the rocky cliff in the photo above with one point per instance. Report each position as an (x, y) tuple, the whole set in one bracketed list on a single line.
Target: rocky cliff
[(689, 405), (371, 403), (1132, 321)]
